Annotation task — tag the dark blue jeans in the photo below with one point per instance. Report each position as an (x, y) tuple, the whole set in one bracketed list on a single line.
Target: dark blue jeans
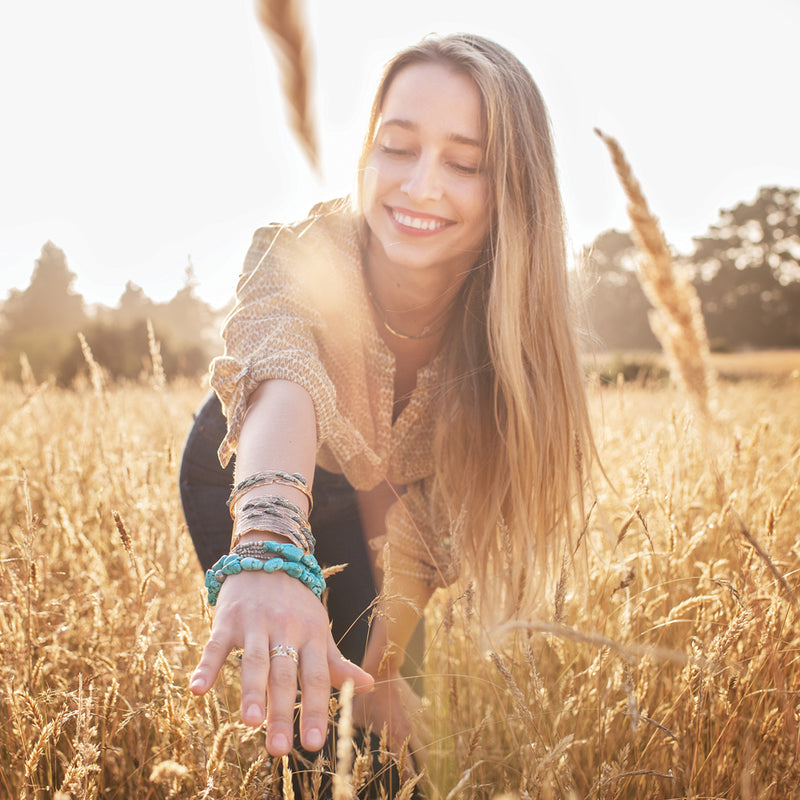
[(335, 520)]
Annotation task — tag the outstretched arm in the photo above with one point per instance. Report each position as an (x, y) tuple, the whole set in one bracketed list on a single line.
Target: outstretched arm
[(258, 611)]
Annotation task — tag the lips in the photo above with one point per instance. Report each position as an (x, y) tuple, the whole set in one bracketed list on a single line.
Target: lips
[(416, 223)]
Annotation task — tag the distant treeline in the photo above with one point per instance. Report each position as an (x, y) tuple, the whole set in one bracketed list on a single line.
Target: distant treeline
[(40, 325), (746, 269)]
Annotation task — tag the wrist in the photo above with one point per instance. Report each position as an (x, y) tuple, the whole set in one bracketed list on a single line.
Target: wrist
[(266, 556), (262, 536)]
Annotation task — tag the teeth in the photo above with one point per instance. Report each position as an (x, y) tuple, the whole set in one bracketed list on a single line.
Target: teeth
[(419, 224)]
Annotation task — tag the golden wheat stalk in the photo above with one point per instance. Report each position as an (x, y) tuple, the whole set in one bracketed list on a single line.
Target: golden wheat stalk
[(218, 750), (250, 776), (26, 374), (127, 543), (286, 779), (342, 776), (764, 556), (154, 346), (283, 23), (523, 707), (95, 371), (48, 734), (677, 319)]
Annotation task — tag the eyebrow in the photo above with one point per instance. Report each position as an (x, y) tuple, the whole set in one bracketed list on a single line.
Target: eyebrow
[(407, 125)]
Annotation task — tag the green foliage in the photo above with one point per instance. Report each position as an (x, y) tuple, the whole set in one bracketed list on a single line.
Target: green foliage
[(42, 322), (641, 369), (44, 348), (49, 302), (125, 353), (616, 303), (746, 271)]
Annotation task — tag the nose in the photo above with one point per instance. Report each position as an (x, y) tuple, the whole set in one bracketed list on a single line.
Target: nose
[(423, 180)]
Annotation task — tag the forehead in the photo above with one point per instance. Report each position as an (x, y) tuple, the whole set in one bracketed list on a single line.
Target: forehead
[(434, 94)]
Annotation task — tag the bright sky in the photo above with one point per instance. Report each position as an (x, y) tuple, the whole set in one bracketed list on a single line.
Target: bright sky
[(135, 135)]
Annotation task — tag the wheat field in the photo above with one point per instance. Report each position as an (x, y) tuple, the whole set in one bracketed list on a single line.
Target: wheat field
[(670, 670)]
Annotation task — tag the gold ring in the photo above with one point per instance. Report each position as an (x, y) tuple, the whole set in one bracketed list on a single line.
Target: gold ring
[(284, 650)]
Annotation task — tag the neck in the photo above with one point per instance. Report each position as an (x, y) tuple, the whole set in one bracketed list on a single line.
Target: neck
[(409, 304)]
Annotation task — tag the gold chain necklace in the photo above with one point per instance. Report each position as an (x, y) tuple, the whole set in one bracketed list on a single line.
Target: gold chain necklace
[(426, 333)]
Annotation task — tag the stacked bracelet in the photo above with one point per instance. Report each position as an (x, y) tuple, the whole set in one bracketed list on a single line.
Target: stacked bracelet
[(294, 480), (276, 515), (273, 514), (249, 558)]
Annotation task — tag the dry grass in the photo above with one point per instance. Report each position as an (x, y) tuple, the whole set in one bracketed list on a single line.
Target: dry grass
[(758, 363), (283, 22), (102, 614), (676, 318), (673, 673)]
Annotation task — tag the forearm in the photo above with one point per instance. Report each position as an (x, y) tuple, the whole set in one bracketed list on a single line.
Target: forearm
[(400, 611), (278, 433)]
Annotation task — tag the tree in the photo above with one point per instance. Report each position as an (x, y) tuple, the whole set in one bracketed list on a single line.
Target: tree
[(42, 320), (49, 301), (134, 306), (747, 270), (616, 303), (185, 328), (187, 320)]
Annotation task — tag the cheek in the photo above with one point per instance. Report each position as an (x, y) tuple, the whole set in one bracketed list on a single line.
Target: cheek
[(477, 201), (369, 185), (386, 174), (377, 176)]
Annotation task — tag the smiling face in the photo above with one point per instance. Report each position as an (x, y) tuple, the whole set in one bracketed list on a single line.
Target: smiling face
[(425, 192)]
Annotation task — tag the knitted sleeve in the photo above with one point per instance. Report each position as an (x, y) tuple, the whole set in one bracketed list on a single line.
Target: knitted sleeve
[(270, 334), (419, 540)]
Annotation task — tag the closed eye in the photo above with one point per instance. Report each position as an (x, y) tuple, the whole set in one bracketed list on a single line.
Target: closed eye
[(464, 169), (393, 151)]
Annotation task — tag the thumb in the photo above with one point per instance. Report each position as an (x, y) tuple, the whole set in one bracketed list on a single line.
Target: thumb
[(341, 669)]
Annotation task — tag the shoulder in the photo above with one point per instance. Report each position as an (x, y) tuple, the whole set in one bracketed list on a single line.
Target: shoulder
[(319, 256), (331, 225), (331, 231)]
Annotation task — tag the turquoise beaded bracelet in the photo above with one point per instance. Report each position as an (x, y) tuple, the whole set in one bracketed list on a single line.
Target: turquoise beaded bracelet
[(288, 559)]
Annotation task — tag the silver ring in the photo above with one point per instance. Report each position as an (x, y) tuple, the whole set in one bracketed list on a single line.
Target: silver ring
[(284, 650)]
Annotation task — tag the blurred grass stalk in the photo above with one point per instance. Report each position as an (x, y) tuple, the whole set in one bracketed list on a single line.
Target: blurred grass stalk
[(676, 318), (284, 24)]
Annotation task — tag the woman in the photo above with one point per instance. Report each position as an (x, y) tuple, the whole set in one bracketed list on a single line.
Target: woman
[(412, 355)]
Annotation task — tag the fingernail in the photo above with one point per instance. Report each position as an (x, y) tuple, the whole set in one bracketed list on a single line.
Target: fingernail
[(314, 738), (196, 682), (280, 742), (253, 711)]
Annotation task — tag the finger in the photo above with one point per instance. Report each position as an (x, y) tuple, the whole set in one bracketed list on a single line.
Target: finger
[(255, 668), (282, 693), (341, 669), (214, 654), (316, 692)]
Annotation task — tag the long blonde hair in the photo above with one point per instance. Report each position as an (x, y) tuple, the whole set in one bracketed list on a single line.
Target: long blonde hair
[(514, 436)]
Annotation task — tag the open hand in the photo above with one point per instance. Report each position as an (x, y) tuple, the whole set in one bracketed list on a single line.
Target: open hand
[(259, 611), (395, 704)]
